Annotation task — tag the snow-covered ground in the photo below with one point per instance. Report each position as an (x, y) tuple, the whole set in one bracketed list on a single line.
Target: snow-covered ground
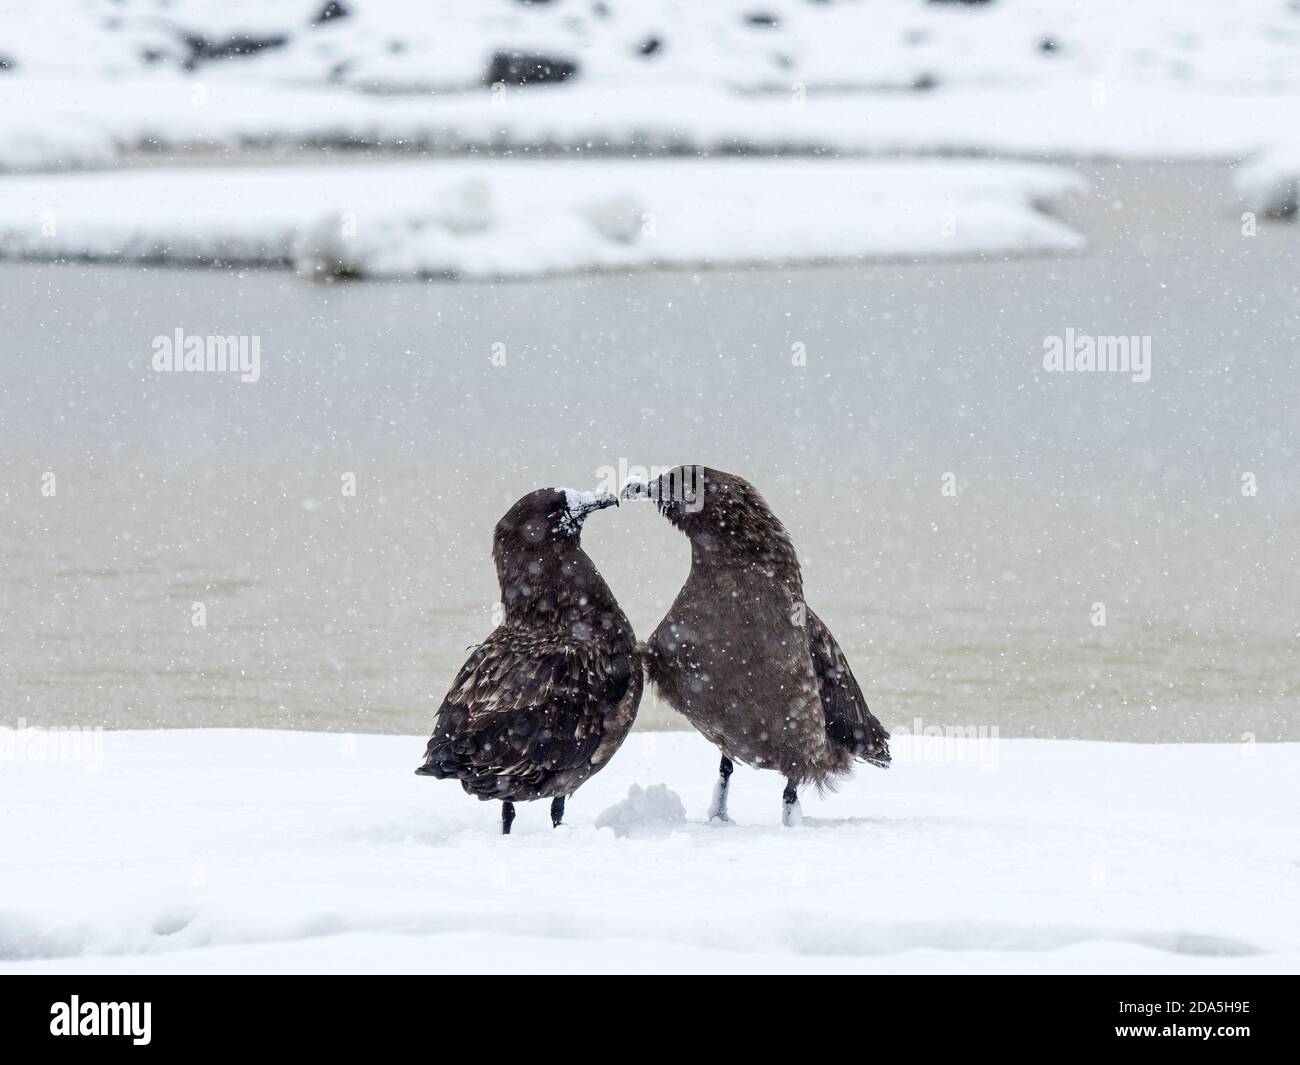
[(83, 82), (213, 850), (56, 123), (743, 44), (512, 218)]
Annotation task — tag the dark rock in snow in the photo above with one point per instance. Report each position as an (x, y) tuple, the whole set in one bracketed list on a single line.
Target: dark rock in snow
[(203, 50), (333, 9), (519, 68)]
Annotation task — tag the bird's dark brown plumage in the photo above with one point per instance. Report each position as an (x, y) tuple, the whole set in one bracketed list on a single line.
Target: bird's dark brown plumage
[(547, 699), (741, 655)]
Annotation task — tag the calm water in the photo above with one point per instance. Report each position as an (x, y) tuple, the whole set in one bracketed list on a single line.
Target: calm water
[(352, 613)]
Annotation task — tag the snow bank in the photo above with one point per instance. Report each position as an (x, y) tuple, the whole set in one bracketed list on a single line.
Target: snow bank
[(405, 44), (240, 850), (1270, 183), (509, 218), (52, 123), (85, 81)]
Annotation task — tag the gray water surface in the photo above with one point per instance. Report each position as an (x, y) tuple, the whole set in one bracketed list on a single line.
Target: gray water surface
[(352, 613)]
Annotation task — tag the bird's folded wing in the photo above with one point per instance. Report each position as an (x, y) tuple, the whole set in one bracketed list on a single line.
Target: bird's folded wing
[(524, 703), (849, 723)]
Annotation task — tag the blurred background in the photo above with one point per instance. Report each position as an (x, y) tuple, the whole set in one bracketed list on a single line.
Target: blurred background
[(482, 248)]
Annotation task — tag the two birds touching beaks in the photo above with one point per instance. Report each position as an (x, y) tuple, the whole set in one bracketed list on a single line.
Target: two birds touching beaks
[(547, 699)]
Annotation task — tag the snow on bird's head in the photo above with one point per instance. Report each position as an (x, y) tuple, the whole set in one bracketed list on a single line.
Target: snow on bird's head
[(578, 504), (577, 500), (547, 516)]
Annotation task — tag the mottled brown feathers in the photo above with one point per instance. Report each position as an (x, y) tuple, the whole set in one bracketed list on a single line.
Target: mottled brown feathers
[(549, 696), (740, 654)]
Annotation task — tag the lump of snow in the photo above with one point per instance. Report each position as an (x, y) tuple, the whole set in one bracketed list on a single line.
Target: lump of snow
[(1270, 183), (339, 245), (324, 250), (618, 218), (646, 812), (467, 207)]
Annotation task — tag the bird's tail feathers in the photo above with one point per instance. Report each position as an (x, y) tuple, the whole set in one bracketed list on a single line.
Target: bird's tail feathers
[(439, 761), (865, 740)]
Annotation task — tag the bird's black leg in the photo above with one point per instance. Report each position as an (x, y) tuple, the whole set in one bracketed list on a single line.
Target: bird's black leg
[(718, 805), (507, 817), (557, 811), (791, 814)]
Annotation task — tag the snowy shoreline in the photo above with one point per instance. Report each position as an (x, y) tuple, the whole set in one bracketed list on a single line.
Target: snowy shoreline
[(243, 850), (67, 145), (49, 124), (508, 218)]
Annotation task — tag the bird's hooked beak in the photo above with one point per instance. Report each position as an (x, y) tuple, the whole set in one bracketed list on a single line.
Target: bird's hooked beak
[(677, 493), (635, 488), (580, 504)]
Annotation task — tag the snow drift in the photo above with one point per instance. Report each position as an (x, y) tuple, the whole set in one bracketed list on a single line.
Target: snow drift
[(508, 218)]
